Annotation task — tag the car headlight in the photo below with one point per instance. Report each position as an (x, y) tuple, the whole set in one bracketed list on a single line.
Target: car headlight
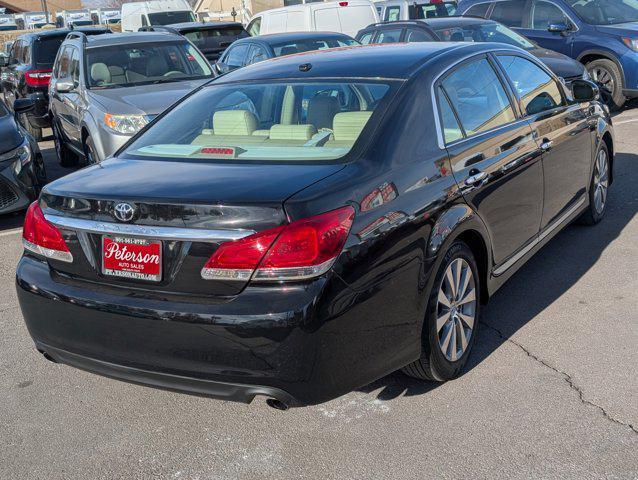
[(631, 43), (125, 124), (21, 157)]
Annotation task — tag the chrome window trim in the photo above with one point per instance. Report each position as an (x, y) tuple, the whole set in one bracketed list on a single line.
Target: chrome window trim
[(498, 271), (435, 104), (150, 231)]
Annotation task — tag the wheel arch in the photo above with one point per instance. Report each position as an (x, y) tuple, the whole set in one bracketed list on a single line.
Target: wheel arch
[(460, 222), (595, 54)]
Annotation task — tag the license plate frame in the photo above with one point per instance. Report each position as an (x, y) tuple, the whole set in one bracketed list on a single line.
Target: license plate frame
[(132, 270)]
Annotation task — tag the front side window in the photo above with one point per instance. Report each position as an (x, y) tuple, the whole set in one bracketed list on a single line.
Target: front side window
[(64, 63), (75, 65), (366, 38), (145, 63), (237, 56), (275, 121), (536, 89), (606, 12), (392, 14), (486, 32), (509, 12), (545, 14), (257, 54), (389, 36), (478, 96), (254, 27)]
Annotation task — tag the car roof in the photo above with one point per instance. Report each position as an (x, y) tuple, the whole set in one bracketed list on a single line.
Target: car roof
[(274, 38), (133, 37), (392, 61), (202, 25), (61, 32), (438, 22)]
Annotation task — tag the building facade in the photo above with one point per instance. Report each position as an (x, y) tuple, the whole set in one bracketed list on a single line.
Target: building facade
[(20, 6)]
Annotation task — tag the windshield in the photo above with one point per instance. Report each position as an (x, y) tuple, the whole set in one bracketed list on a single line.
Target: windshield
[(167, 18), (606, 12), (128, 65), (212, 36), (278, 121), (486, 32), (289, 48)]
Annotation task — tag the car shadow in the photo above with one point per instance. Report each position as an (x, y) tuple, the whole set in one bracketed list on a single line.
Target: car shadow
[(564, 260)]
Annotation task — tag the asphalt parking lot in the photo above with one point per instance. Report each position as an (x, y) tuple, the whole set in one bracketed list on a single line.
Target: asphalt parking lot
[(551, 390)]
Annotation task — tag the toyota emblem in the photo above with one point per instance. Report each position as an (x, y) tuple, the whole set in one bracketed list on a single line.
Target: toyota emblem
[(124, 212)]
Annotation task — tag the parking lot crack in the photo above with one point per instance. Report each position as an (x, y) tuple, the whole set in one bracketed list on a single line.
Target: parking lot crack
[(567, 377)]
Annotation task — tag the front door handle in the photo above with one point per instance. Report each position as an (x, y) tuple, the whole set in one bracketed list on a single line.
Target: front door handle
[(476, 178), (546, 146)]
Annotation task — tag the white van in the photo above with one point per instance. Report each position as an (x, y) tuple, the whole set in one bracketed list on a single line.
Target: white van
[(106, 16), (8, 22), (155, 12), (393, 10), (33, 20), (77, 18), (347, 16)]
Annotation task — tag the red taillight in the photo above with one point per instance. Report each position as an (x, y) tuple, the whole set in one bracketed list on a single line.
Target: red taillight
[(38, 78), (303, 249), (343, 4), (41, 237)]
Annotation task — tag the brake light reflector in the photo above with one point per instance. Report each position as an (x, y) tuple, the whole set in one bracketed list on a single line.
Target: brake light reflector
[(41, 237), (343, 4), (300, 250), (38, 78)]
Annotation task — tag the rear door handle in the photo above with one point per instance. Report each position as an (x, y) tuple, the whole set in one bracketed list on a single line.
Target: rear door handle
[(475, 179)]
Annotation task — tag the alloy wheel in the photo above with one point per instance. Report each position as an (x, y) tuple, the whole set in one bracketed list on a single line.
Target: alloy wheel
[(605, 82), (456, 309), (601, 181)]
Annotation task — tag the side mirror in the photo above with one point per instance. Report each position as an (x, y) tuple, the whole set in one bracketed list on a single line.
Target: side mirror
[(65, 86), (23, 105), (585, 91), (561, 28)]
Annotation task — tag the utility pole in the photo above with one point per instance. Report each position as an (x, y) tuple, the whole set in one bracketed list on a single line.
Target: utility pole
[(45, 9)]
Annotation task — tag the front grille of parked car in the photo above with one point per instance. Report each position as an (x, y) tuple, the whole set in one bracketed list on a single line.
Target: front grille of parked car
[(7, 196)]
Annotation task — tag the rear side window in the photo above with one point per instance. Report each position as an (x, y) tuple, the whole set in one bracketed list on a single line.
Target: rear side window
[(451, 128), (392, 14), (478, 97), (45, 49), (509, 12), (389, 36), (479, 10), (536, 89)]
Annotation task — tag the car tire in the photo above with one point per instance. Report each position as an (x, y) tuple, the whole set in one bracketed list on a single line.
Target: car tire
[(598, 188), (67, 158), (35, 132), (610, 80), (452, 314), (90, 154)]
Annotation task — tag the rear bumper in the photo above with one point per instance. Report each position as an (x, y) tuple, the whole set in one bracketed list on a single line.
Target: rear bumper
[(302, 344)]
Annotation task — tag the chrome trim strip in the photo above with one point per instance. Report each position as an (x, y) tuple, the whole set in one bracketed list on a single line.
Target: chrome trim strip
[(143, 231), (557, 223)]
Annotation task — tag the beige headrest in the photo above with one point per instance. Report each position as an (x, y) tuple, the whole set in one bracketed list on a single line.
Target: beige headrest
[(347, 126), (292, 132), (234, 122), (100, 73)]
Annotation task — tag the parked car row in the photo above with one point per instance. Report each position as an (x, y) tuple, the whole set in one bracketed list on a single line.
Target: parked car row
[(302, 226)]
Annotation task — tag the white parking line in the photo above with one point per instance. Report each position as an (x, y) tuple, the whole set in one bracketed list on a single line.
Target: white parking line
[(626, 121), (14, 231)]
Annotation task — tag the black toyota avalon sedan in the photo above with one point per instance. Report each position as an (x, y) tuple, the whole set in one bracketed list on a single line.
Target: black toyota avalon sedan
[(22, 172), (303, 226)]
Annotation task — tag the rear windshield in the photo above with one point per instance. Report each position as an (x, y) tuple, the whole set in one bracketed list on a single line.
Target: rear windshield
[(486, 32), (212, 36), (432, 10), (288, 48), (45, 49), (128, 65), (278, 121), (167, 18)]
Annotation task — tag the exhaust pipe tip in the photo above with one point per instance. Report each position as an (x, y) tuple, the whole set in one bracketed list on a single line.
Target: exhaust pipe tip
[(47, 356), (277, 404)]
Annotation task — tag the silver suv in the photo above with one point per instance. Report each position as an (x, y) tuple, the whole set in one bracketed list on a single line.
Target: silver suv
[(105, 89)]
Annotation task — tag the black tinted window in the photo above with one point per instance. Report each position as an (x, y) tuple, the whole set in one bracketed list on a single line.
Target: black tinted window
[(478, 96), (536, 89), (509, 13), (389, 36), (414, 35), (45, 49), (479, 10)]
